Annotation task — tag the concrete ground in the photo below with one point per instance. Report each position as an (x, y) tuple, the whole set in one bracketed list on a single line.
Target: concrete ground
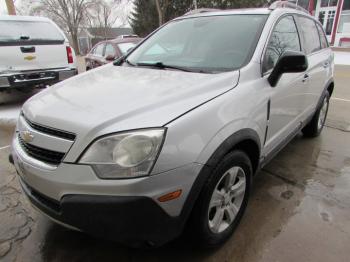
[(299, 209)]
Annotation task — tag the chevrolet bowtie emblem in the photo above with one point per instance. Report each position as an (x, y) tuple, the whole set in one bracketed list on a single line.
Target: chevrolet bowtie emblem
[(27, 136), (29, 57)]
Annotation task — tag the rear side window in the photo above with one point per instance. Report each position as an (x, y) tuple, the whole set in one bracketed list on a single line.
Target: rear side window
[(284, 37), (109, 50), (125, 47), (99, 50), (29, 32), (323, 39), (310, 35)]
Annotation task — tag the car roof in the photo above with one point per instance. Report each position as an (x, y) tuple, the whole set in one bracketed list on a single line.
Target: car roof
[(23, 18), (125, 40), (245, 11), (216, 12)]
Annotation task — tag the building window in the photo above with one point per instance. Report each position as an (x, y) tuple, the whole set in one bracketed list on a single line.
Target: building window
[(346, 5), (321, 16), (333, 2), (327, 3), (344, 22), (303, 3), (324, 3), (330, 20)]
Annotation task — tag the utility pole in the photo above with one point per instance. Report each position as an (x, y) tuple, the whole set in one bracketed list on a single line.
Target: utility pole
[(10, 7)]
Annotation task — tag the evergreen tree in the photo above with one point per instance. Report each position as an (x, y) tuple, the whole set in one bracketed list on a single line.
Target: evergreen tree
[(230, 4), (144, 17)]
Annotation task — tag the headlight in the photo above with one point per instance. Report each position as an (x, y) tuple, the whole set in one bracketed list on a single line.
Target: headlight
[(125, 155)]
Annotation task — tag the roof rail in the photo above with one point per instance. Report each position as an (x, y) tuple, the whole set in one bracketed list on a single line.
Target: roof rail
[(287, 4), (201, 10)]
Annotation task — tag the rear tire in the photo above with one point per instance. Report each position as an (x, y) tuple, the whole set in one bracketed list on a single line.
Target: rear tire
[(222, 201), (315, 126)]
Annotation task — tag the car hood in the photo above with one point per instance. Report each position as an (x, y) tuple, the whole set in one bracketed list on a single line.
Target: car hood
[(113, 98)]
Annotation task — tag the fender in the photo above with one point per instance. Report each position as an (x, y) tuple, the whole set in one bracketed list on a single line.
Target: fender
[(229, 143), (226, 146)]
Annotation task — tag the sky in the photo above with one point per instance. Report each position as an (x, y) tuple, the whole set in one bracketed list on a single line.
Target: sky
[(127, 9), (3, 9)]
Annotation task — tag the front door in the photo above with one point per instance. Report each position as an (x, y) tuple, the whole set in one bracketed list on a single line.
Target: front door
[(286, 100), (325, 13)]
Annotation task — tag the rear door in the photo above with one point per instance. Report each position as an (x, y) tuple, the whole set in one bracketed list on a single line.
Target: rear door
[(286, 98), (31, 45), (97, 56), (319, 57)]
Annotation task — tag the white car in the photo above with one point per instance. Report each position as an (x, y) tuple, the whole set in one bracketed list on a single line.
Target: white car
[(34, 52), (172, 134)]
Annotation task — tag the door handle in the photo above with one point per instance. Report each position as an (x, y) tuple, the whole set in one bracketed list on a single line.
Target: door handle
[(325, 65), (305, 78)]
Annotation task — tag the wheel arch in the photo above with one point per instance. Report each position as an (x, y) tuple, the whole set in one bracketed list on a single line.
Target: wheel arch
[(246, 140), (330, 87)]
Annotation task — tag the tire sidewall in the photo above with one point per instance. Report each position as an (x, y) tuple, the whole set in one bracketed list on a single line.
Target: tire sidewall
[(325, 96), (208, 238)]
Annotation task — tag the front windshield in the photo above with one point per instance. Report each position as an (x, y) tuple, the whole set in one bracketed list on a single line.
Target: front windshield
[(203, 44)]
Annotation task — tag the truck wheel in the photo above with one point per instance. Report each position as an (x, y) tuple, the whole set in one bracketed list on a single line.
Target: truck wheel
[(315, 126), (222, 201)]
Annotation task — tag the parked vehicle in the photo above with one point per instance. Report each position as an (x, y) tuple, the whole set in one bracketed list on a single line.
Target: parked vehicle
[(172, 134), (34, 53), (107, 51)]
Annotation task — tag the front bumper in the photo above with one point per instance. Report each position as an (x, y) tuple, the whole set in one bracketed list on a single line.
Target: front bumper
[(35, 78), (125, 210), (134, 221)]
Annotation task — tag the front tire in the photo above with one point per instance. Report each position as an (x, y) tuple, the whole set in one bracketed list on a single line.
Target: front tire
[(315, 126), (222, 201)]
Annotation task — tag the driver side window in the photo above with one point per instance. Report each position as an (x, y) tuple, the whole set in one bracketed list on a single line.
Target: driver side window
[(284, 37)]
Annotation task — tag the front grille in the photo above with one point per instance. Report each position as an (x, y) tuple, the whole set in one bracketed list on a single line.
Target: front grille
[(44, 155), (51, 131)]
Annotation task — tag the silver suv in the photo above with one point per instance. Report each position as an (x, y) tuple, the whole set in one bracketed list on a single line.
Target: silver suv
[(172, 134)]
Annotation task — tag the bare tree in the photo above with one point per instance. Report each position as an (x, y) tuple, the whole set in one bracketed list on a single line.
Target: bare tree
[(71, 15), (162, 6), (105, 14), (10, 7)]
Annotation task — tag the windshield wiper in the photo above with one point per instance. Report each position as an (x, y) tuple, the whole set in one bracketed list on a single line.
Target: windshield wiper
[(164, 66), (121, 60)]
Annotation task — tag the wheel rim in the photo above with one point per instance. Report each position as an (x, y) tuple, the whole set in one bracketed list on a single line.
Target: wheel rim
[(227, 199), (323, 114)]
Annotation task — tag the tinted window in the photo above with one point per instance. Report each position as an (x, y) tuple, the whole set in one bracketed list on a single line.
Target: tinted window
[(29, 31), (310, 34), (323, 39), (284, 37), (99, 50), (210, 44), (109, 50)]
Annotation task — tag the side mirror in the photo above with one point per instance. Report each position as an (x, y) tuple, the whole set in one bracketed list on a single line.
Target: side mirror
[(110, 58), (289, 62)]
